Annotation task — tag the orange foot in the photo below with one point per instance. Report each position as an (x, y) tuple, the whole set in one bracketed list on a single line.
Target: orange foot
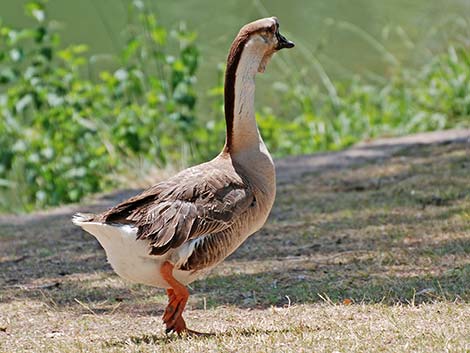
[(177, 298)]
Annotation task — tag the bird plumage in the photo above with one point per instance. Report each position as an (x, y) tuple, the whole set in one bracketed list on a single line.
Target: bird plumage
[(178, 229)]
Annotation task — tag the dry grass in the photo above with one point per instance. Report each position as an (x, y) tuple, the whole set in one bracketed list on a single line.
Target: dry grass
[(368, 256)]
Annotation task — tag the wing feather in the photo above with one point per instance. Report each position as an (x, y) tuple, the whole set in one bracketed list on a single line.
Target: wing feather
[(191, 204)]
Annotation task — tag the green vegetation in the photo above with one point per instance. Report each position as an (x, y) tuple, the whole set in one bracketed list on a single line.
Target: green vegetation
[(66, 131), (62, 135), (437, 96)]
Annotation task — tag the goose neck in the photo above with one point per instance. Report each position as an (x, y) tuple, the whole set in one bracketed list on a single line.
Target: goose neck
[(242, 130)]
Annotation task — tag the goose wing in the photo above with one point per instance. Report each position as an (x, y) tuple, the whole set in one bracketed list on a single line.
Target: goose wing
[(194, 202)]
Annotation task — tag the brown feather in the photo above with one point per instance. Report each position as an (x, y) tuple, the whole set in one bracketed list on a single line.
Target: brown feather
[(191, 204)]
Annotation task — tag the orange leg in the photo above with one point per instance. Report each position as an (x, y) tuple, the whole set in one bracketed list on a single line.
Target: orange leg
[(177, 298)]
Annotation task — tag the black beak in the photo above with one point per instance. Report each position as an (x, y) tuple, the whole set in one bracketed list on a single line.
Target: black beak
[(282, 42)]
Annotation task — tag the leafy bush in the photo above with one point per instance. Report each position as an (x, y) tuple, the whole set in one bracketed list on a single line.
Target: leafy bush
[(62, 135), (437, 96)]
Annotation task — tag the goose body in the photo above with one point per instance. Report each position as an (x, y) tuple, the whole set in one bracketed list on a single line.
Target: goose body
[(242, 209), (177, 230)]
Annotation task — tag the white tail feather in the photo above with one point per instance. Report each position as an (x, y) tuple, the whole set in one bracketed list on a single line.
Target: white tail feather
[(80, 218)]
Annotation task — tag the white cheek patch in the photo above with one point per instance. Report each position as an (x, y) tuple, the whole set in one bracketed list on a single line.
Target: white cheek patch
[(261, 44), (256, 41)]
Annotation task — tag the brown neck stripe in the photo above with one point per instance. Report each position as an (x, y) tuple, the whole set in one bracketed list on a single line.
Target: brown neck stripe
[(229, 89)]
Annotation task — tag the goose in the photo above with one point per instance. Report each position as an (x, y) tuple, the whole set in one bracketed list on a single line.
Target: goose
[(172, 233)]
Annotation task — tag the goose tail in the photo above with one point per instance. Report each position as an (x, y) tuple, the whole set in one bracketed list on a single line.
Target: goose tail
[(80, 218)]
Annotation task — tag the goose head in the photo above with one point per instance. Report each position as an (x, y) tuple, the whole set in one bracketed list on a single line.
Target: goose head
[(261, 36)]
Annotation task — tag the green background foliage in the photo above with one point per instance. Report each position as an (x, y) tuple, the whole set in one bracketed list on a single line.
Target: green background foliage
[(63, 134), (66, 131)]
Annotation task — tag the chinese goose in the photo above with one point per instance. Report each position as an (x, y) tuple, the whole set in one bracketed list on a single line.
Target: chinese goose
[(173, 232)]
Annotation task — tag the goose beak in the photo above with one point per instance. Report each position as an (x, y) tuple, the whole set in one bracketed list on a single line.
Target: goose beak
[(283, 42)]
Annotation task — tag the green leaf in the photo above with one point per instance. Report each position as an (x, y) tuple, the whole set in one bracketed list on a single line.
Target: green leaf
[(159, 35), (36, 9), (23, 103)]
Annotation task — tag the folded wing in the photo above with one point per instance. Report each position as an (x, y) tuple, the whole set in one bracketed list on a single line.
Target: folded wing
[(186, 206)]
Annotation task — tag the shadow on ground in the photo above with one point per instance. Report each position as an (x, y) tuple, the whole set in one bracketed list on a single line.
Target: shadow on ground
[(382, 223)]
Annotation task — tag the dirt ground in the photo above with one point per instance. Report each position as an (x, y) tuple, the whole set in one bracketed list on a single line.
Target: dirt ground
[(365, 250)]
